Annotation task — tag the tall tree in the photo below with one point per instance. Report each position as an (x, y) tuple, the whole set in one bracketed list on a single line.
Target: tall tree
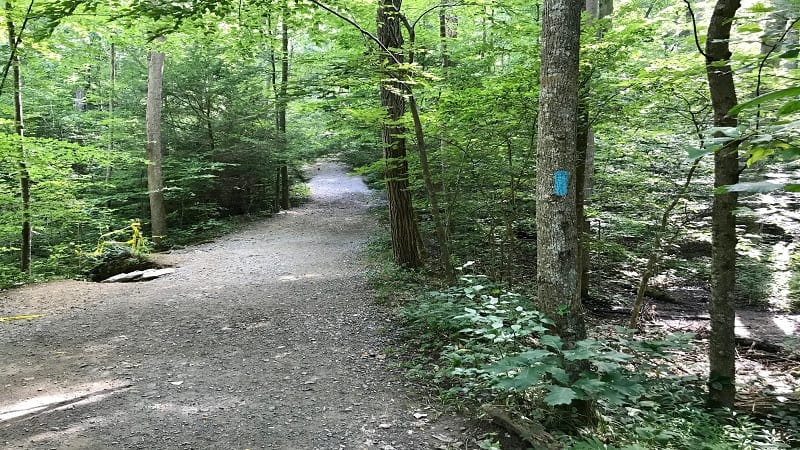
[(556, 225), (405, 234), (722, 349), (281, 103), (155, 178), (19, 126), (595, 9)]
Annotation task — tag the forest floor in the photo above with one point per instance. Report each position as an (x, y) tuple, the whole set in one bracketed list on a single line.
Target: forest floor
[(266, 338)]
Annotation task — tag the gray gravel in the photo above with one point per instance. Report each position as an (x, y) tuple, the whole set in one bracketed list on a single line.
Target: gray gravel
[(267, 338)]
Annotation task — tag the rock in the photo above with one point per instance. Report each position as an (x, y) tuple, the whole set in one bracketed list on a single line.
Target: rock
[(139, 275), (151, 274)]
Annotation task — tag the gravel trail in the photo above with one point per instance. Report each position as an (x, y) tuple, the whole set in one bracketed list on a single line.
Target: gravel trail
[(267, 338)]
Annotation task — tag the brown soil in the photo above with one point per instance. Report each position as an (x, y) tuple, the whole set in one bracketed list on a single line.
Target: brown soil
[(267, 338)]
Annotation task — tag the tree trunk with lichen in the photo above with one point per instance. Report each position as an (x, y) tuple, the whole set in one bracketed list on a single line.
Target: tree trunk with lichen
[(556, 227)]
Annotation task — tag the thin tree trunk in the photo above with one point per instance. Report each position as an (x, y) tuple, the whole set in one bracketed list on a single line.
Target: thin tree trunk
[(24, 175), (443, 240), (281, 104), (155, 178), (112, 75), (722, 349), (655, 252), (403, 225), (595, 9)]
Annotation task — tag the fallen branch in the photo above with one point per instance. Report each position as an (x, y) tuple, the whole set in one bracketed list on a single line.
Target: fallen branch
[(528, 430)]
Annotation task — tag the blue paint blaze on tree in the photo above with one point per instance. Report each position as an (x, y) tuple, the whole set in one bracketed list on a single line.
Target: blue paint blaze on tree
[(561, 183)]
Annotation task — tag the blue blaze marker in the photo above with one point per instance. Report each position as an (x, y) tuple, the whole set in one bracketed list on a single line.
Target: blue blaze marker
[(561, 183)]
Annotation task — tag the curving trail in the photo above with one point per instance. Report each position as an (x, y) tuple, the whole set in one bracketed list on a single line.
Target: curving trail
[(267, 338)]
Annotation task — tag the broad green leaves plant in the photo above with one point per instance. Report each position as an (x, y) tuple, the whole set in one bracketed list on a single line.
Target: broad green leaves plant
[(526, 359)]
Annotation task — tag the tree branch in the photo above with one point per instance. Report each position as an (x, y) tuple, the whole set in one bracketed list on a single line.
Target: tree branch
[(355, 24), (694, 27), (14, 47)]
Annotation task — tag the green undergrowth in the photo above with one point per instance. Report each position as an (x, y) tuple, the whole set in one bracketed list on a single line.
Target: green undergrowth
[(478, 343)]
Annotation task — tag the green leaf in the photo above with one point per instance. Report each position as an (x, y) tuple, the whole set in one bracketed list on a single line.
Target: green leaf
[(775, 95), (697, 153), (789, 107), (560, 396), (589, 383), (558, 374), (757, 154), (605, 366), (526, 378), (792, 188), (534, 355), (504, 365), (790, 54), (750, 28), (585, 349), (616, 356), (760, 7), (549, 340)]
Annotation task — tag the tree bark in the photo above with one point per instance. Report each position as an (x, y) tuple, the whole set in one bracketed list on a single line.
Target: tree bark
[(19, 127), (595, 9), (155, 178), (281, 104), (556, 227), (403, 225), (722, 350)]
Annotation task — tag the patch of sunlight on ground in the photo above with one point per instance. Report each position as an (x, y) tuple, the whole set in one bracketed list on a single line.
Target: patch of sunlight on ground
[(79, 395), (741, 328), (300, 277), (787, 324), (781, 260)]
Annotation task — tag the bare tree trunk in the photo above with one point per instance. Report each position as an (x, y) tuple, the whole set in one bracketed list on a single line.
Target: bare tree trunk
[(24, 175), (556, 219), (556, 227), (155, 178), (112, 75), (281, 104), (584, 172), (403, 225), (722, 348)]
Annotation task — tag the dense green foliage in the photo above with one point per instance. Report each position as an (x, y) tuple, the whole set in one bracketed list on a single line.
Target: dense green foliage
[(475, 81), (485, 344)]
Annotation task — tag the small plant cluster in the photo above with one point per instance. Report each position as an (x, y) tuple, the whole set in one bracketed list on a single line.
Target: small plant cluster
[(492, 346)]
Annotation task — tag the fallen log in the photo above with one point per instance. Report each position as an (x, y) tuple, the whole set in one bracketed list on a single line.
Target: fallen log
[(528, 430)]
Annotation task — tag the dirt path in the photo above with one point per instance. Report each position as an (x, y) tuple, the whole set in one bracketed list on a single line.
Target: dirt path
[(268, 338)]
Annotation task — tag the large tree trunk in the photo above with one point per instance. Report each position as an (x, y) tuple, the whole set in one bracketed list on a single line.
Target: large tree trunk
[(722, 348), (403, 225), (155, 179), (556, 227), (24, 175), (556, 220)]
